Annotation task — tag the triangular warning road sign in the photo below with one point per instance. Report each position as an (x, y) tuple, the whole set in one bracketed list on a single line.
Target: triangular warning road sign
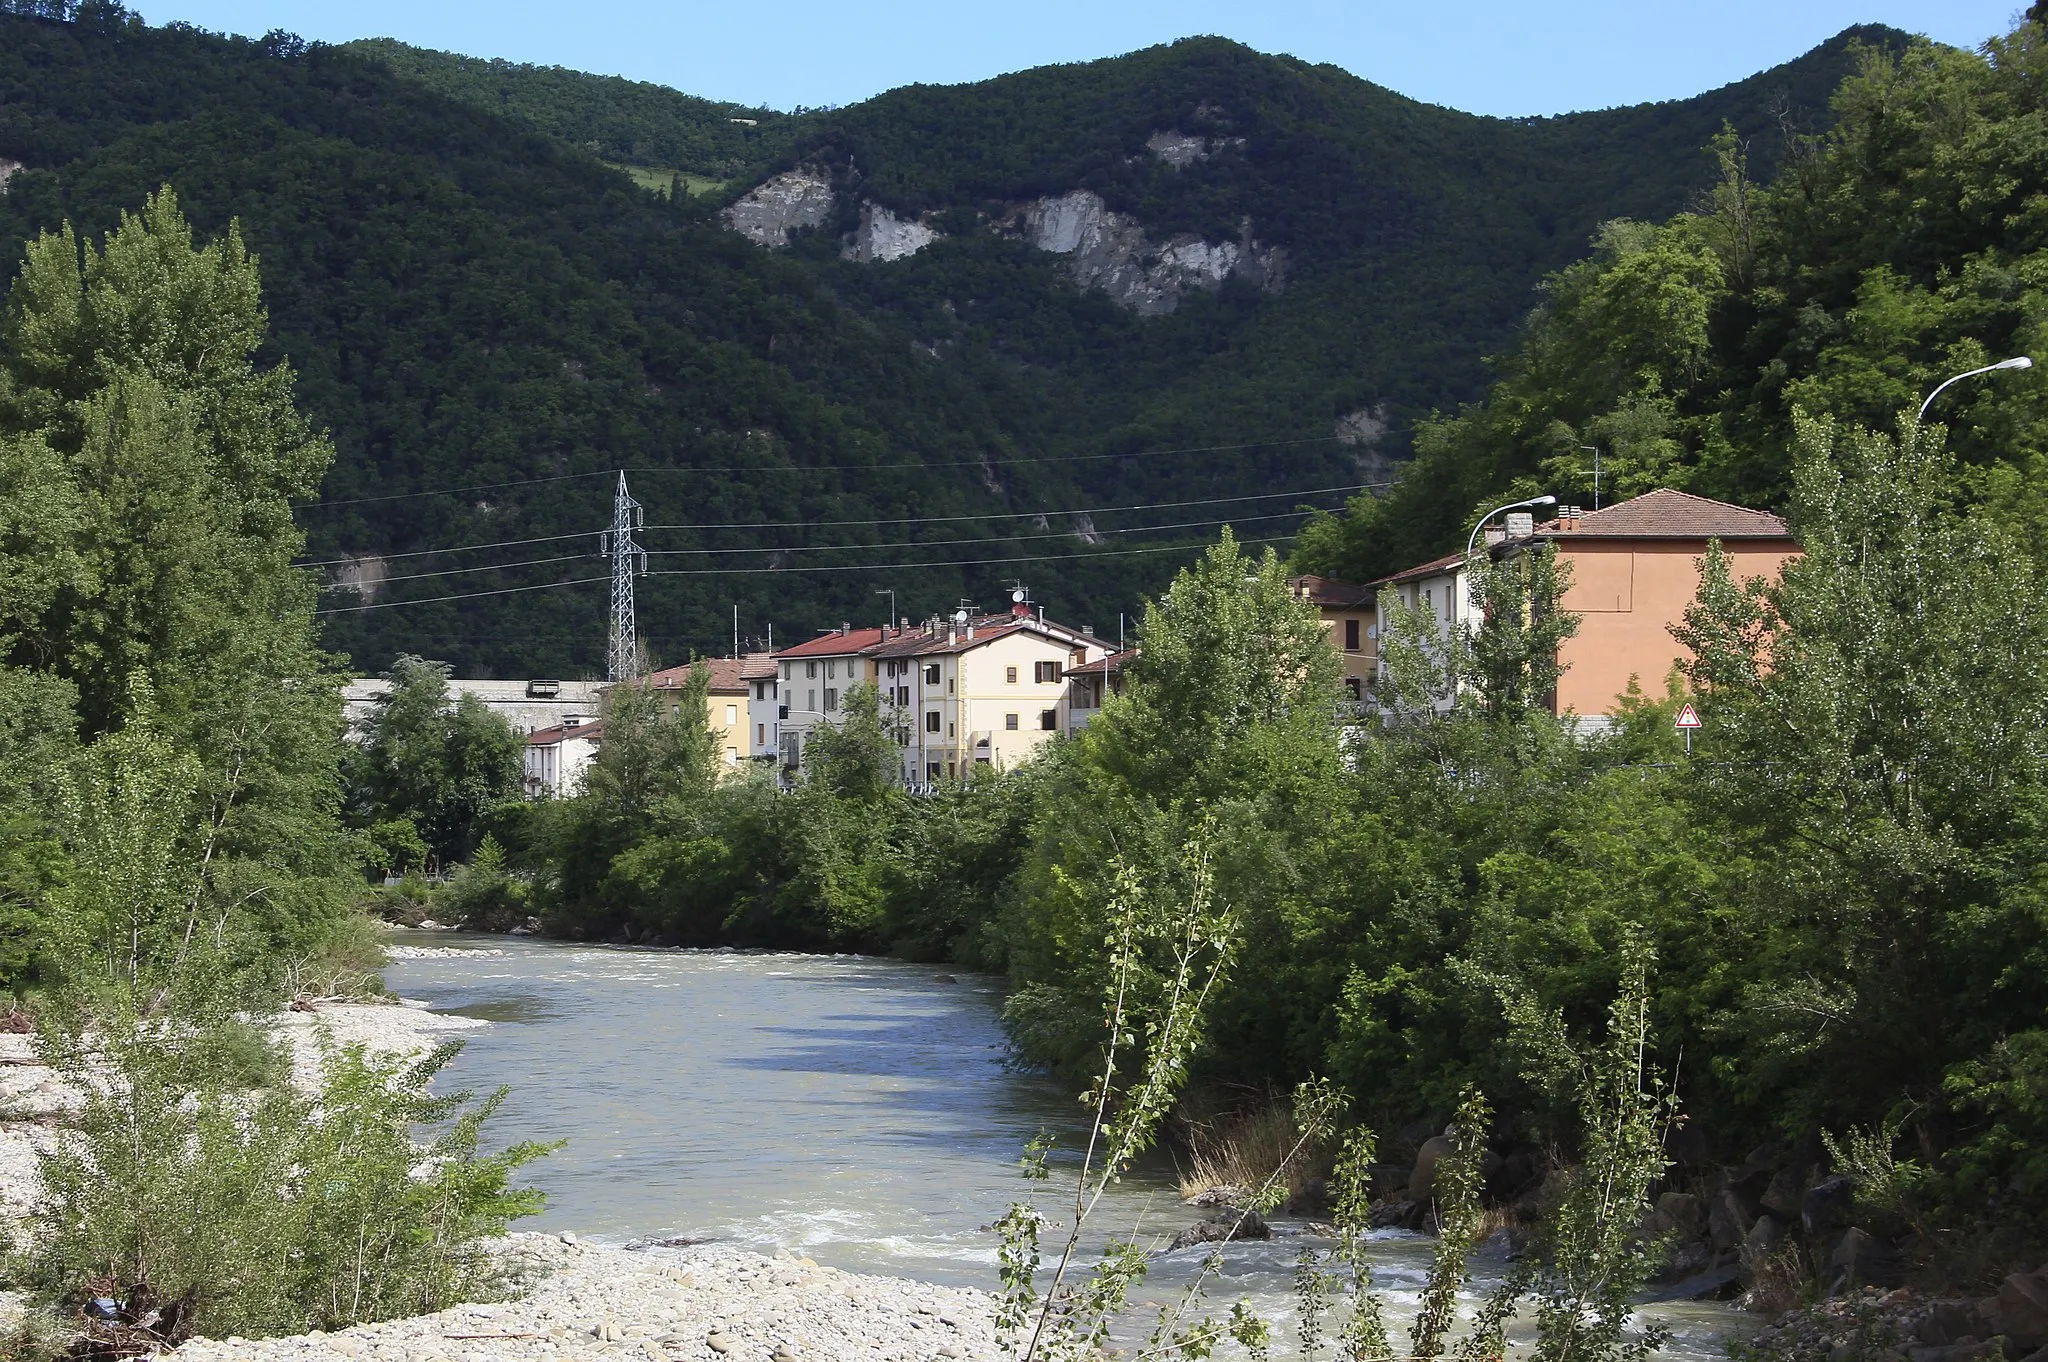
[(1688, 717)]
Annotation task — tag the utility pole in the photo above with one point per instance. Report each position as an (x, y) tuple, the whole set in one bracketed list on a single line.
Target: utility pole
[(622, 654)]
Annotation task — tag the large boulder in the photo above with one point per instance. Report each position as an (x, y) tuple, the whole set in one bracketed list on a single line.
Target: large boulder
[(2023, 1311), (1860, 1258), (1784, 1194), (1679, 1214), (1422, 1181), (1729, 1217), (1222, 1227), (1826, 1206)]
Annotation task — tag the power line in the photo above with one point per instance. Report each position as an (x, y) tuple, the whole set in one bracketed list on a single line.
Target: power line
[(880, 520), (462, 596), (1021, 515), (956, 562), (823, 548), (834, 567), (819, 468)]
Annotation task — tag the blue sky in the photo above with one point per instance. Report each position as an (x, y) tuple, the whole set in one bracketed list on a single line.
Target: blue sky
[(1505, 57)]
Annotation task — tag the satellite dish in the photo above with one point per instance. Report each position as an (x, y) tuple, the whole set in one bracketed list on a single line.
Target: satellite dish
[(1018, 595), (959, 617)]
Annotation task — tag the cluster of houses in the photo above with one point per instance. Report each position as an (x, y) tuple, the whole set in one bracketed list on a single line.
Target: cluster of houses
[(979, 690)]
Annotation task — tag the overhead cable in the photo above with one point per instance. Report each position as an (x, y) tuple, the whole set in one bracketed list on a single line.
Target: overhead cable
[(819, 468)]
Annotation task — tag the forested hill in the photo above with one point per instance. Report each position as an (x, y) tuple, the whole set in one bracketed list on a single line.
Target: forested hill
[(471, 296)]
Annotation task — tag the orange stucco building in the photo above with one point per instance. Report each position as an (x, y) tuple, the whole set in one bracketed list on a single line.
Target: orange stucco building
[(1635, 567)]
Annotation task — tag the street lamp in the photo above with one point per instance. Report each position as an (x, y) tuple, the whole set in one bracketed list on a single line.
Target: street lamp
[(1458, 601), (2016, 362), (1473, 538)]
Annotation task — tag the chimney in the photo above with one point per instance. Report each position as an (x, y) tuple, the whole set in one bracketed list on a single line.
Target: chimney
[(1495, 534), (1520, 524), (1020, 610)]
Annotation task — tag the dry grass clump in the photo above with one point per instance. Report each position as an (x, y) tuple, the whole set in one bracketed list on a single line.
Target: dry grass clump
[(1241, 1150)]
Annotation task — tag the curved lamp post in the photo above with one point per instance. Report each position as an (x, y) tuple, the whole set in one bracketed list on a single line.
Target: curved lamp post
[(1458, 610), (2016, 362)]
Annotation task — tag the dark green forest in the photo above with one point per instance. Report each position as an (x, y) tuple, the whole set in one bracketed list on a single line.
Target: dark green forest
[(471, 299)]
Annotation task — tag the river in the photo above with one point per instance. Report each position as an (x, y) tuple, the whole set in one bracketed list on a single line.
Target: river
[(853, 1109)]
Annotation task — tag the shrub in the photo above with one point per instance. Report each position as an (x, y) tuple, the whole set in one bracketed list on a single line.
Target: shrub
[(198, 1207)]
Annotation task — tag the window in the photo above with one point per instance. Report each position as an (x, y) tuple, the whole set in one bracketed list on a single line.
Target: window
[(949, 730), (931, 674), (1010, 675), (831, 699), (732, 715), (1045, 672), (810, 671), (931, 770), (831, 671), (732, 756), (1355, 686), (949, 686), (1049, 720), (903, 695), (760, 735), (788, 670), (1351, 636), (811, 700), (950, 770), (1010, 722), (931, 721)]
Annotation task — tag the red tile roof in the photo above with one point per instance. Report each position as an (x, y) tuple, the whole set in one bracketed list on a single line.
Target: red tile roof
[(725, 676), (1329, 592), (757, 667), (1435, 567), (1666, 514), (922, 644), (548, 737), (836, 644), (1105, 666)]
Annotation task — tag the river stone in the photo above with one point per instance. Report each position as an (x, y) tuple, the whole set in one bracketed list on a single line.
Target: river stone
[(1422, 1181), (2023, 1310), (720, 1343)]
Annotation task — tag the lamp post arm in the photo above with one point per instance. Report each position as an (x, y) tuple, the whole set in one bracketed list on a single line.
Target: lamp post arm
[(2019, 362)]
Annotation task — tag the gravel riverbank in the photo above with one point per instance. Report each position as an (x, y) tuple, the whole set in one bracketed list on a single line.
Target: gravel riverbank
[(707, 1301)]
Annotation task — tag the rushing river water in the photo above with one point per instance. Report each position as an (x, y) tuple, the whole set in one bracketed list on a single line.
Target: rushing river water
[(853, 1109)]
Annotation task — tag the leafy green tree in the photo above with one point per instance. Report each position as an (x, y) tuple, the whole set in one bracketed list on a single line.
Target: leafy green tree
[(855, 759), (442, 765), (654, 749)]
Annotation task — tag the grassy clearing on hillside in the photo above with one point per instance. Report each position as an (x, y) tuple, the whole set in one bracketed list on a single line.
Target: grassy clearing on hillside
[(659, 178)]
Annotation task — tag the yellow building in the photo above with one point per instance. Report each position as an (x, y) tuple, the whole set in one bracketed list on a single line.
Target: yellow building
[(727, 713)]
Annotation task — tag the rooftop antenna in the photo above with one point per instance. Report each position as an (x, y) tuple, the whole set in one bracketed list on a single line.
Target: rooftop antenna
[(622, 651), (735, 628), (890, 592), (1594, 450)]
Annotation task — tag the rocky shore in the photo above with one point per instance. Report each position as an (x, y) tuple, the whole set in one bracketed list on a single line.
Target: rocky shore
[(576, 1301)]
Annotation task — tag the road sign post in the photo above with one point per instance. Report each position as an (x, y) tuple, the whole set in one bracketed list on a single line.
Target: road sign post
[(1688, 719)]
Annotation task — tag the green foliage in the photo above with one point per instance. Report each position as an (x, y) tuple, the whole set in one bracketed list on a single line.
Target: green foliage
[(511, 307), (431, 770), (203, 1209), (617, 119)]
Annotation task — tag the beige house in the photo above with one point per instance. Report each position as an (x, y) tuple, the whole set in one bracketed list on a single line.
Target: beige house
[(726, 714), (1351, 619), (984, 691)]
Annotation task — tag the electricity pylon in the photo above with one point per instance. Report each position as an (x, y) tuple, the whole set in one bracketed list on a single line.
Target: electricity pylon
[(622, 653)]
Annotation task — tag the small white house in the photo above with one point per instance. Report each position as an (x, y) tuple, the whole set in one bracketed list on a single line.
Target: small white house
[(557, 757)]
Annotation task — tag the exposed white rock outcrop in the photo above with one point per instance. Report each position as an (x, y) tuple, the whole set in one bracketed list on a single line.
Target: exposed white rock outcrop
[(7, 169), (1362, 427), (1110, 251), (779, 205), (884, 236), (1183, 149), (1106, 250), (1178, 148)]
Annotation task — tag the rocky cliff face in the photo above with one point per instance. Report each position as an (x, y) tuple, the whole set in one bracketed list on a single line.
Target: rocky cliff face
[(1110, 251), (7, 169), (1106, 250), (779, 205), (884, 236)]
